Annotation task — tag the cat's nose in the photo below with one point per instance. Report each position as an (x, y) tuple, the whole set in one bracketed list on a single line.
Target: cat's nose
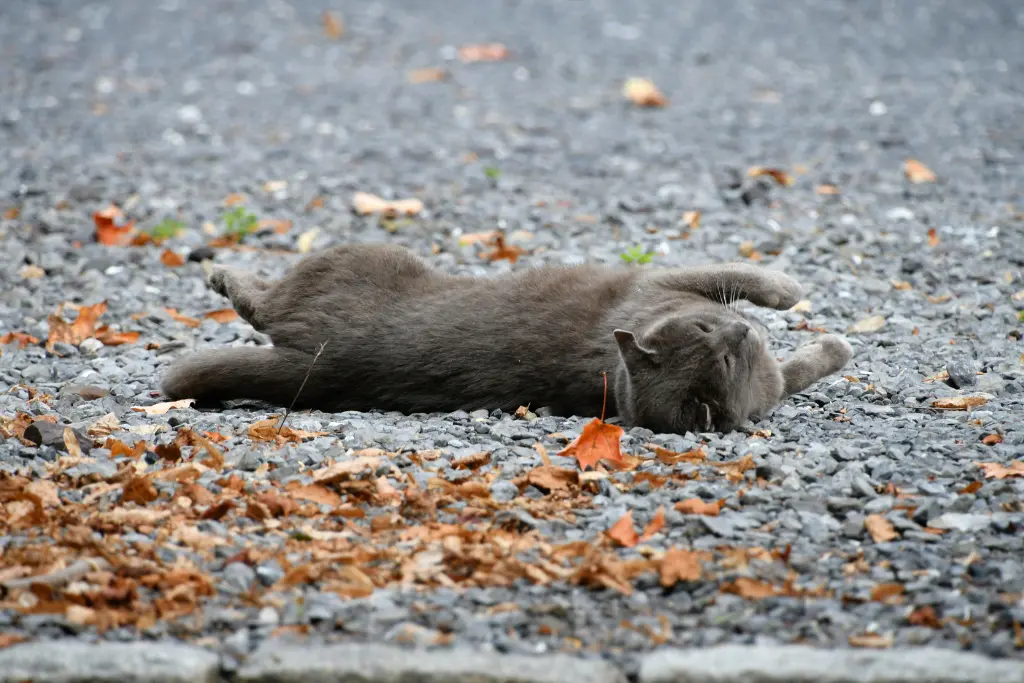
[(735, 332)]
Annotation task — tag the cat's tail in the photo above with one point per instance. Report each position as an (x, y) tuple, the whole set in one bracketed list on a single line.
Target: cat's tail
[(272, 374)]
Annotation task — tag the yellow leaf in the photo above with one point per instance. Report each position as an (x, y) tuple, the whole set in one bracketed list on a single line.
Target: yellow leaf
[(917, 172), (643, 93)]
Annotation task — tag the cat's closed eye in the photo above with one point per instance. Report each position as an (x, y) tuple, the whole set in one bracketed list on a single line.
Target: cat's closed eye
[(703, 327)]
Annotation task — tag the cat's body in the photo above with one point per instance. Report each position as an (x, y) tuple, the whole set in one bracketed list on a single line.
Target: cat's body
[(399, 335)]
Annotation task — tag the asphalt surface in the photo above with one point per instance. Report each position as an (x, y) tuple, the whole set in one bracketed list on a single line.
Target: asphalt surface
[(168, 108)]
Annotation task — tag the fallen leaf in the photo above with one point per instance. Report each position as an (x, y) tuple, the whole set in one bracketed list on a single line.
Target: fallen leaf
[(692, 219), (992, 439), (234, 199), (550, 478), (643, 93), (31, 272), (598, 441), (973, 487), (802, 306), (667, 457), (305, 242), (279, 226), (901, 285), (500, 250), (880, 528), (111, 337), (959, 402), (483, 52), (867, 325), (678, 564), (74, 333), (933, 238), (71, 444), (925, 616), (345, 469), (751, 589), (778, 175), (623, 533), (21, 338), (696, 506), (917, 172), (995, 470), (185, 320), (826, 189), (316, 493), (222, 315), (104, 426), (162, 408), (334, 28), (273, 186), (8, 639), (11, 213), (870, 640), (747, 250), (172, 259), (270, 430), (139, 490), (427, 75), (365, 203), (656, 524), (108, 232), (889, 593)]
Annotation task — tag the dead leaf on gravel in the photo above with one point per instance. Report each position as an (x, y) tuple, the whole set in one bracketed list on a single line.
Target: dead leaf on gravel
[(185, 320), (917, 172), (139, 490), (778, 175), (304, 244), (222, 315), (104, 426), (667, 457), (696, 506), (870, 640), (108, 232), (653, 527), (889, 593), (995, 470), (268, 430), (751, 589), (71, 444), (925, 616), (880, 528), (46, 490), (31, 272), (867, 325), (171, 259), (21, 338), (134, 517), (826, 190), (678, 564), (334, 27), (734, 469), (959, 402), (483, 52), (427, 75), (691, 219), (551, 478), (643, 93), (162, 408), (501, 250), (345, 469), (316, 493), (933, 238), (365, 203), (598, 441), (81, 329), (992, 439), (623, 533)]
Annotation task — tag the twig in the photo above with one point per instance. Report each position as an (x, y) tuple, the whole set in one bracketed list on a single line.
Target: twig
[(309, 371), (604, 401)]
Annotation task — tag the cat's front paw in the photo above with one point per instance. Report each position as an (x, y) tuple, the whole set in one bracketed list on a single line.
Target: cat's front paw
[(835, 351), (781, 291)]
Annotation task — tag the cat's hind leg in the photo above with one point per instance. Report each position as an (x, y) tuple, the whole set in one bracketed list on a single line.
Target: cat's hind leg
[(824, 356), (245, 290), (267, 373)]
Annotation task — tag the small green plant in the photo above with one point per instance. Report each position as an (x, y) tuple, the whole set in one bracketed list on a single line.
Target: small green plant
[(238, 222), (492, 172), (637, 255), (1020, 316), (167, 229)]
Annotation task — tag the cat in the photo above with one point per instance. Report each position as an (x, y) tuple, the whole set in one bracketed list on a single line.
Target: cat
[(675, 353)]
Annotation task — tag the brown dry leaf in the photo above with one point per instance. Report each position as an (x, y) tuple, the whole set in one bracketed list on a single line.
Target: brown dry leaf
[(501, 250), (345, 469), (933, 238), (925, 616), (598, 441), (171, 259), (316, 493), (46, 490), (889, 593), (483, 52), (222, 315), (901, 285), (472, 462), (656, 524), (234, 199), (679, 564), (279, 226), (23, 339), (218, 511), (827, 189), (162, 408), (133, 517), (867, 325), (31, 272), (427, 75), (551, 478), (778, 175), (973, 487), (119, 448), (623, 533), (667, 457), (11, 213), (880, 528), (734, 469), (334, 27), (959, 402), (992, 439), (267, 430), (139, 490), (747, 250), (751, 589), (185, 320), (105, 426), (111, 337), (77, 332), (71, 444), (995, 470), (365, 203), (643, 93), (696, 506), (108, 232), (917, 172), (870, 640), (476, 238)]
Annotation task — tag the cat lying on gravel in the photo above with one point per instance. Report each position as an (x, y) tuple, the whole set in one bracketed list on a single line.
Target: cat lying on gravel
[(402, 336)]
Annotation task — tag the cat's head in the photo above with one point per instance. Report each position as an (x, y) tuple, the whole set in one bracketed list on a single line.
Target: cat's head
[(707, 370)]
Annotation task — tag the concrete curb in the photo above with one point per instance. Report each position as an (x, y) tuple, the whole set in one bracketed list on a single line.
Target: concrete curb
[(145, 662)]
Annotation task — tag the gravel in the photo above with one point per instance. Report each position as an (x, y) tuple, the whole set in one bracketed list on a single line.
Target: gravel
[(856, 486)]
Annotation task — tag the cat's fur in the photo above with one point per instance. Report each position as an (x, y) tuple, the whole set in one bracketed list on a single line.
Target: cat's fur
[(402, 336)]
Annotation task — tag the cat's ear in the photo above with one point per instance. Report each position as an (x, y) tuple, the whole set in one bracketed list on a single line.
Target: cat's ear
[(631, 348)]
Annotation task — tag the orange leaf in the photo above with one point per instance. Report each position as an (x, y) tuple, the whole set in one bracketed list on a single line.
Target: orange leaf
[(751, 589), (656, 524), (550, 478), (171, 259), (428, 75), (110, 337), (223, 315), (107, 230), (933, 237), (269, 430), (679, 565), (279, 225), (889, 593), (668, 457), (77, 332), (643, 93), (925, 616), (500, 250), (316, 493), (995, 470), (234, 199), (992, 439), (778, 175), (366, 203), (696, 506), (334, 28), (598, 441), (973, 487), (623, 533), (692, 219), (139, 490), (870, 640), (183, 319), (917, 172), (483, 52), (826, 189), (22, 338), (959, 402), (880, 528)]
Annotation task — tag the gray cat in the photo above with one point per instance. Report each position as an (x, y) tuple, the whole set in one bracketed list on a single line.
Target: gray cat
[(402, 336)]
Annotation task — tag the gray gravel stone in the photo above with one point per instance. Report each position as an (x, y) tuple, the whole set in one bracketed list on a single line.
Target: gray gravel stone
[(79, 662)]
